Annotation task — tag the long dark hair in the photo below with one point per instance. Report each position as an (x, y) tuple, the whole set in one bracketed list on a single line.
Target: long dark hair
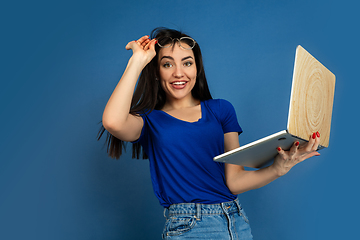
[(149, 94)]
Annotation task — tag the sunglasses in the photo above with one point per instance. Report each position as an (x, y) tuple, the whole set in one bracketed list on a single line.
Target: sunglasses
[(184, 42)]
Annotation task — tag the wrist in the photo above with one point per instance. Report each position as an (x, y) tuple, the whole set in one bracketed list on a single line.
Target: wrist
[(141, 59), (136, 63), (276, 170), (138, 59)]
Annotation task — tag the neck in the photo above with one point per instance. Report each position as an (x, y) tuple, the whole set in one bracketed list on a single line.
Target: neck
[(172, 104)]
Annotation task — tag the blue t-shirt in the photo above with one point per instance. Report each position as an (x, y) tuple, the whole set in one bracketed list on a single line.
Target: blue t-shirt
[(181, 154)]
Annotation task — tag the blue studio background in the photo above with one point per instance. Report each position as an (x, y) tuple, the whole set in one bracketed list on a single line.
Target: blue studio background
[(60, 61)]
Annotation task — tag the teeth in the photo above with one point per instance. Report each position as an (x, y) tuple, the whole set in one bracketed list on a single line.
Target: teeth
[(179, 83)]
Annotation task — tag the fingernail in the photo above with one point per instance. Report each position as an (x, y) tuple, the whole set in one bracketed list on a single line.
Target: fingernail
[(297, 144), (279, 149), (156, 41), (318, 134), (314, 135)]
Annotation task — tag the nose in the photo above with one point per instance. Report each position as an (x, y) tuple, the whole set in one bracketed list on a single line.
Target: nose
[(178, 72)]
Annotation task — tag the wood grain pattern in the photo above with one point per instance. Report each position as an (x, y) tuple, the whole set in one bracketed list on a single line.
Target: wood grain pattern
[(312, 97)]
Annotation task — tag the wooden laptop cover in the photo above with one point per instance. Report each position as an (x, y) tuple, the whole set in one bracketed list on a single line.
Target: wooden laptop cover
[(312, 97)]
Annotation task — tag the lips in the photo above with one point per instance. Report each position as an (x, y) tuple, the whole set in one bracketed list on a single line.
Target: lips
[(179, 84)]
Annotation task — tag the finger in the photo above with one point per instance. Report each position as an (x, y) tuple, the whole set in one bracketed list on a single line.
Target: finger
[(140, 42), (130, 45), (282, 153), (311, 142), (294, 148), (143, 41), (315, 153), (151, 44), (317, 142)]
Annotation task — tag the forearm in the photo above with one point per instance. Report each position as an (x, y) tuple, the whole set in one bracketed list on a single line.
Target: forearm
[(118, 106), (238, 180), (244, 181)]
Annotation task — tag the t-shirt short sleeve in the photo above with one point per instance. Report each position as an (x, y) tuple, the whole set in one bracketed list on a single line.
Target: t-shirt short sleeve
[(227, 116), (144, 129)]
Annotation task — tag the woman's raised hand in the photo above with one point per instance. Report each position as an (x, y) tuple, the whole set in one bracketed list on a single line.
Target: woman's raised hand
[(285, 160), (144, 48)]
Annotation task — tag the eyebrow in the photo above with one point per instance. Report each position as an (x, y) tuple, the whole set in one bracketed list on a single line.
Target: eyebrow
[(171, 58)]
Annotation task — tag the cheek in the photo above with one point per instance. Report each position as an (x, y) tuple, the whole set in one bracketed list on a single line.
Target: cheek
[(163, 74), (194, 70), (193, 74)]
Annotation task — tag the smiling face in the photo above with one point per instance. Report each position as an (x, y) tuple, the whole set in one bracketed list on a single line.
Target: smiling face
[(178, 72)]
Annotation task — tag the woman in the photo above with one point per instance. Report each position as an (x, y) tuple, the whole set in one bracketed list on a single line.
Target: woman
[(181, 128)]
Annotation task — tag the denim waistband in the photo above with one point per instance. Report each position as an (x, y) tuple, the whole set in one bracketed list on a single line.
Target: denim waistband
[(198, 209)]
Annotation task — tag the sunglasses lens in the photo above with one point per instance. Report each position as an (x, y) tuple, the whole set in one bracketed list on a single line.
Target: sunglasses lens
[(187, 42), (165, 42)]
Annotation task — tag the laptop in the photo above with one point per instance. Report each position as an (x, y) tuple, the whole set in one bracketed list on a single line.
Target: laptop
[(310, 110)]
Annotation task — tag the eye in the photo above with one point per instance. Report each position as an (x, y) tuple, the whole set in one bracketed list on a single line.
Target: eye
[(188, 64), (167, 65)]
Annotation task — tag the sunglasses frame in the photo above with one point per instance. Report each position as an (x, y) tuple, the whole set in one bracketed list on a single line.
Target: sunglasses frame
[(179, 40)]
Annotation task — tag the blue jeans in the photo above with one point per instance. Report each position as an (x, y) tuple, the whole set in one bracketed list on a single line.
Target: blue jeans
[(207, 221)]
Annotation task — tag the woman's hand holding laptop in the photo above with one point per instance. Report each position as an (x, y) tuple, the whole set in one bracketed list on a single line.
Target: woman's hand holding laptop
[(285, 160)]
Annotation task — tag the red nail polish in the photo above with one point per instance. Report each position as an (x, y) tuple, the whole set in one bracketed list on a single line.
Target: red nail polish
[(314, 135), (297, 144), (318, 134), (279, 149)]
